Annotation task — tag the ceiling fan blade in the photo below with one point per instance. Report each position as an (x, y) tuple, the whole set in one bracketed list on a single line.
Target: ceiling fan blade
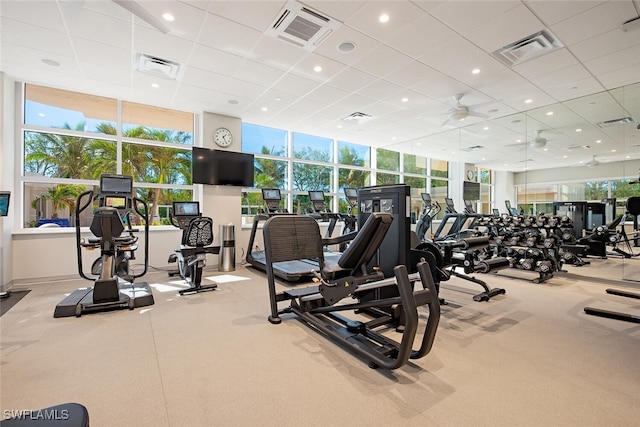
[(476, 114), (143, 14)]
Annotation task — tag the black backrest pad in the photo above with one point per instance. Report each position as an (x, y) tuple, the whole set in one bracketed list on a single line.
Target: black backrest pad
[(633, 205), (291, 237), (367, 241), (199, 233)]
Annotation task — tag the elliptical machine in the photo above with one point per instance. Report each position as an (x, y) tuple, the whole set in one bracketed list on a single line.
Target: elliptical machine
[(197, 237), (429, 212), (114, 286)]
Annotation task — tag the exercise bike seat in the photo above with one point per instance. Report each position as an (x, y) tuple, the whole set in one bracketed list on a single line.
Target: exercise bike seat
[(64, 415)]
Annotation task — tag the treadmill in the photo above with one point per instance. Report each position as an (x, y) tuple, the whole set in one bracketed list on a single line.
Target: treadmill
[(291, 271)]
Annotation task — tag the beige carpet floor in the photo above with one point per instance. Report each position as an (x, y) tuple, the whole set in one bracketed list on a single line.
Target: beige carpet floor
[(527, 358)]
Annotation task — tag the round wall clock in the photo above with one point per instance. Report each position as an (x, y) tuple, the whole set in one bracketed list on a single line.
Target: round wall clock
[(223, 137)]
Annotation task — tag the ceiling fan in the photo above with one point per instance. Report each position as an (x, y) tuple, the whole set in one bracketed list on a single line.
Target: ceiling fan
[(143, 14), (592, 163), (538, 142), (459, 111)]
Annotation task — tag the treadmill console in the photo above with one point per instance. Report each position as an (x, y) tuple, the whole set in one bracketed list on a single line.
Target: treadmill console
[(271, 197), (317, 200), (184, 212)]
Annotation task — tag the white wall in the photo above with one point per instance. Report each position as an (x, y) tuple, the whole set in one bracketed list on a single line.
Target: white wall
[(604, 171), (7, 150)]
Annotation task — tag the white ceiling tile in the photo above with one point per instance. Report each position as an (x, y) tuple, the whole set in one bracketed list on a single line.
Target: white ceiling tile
[(277, 53), (96, 52), (514, 25), (27, 35), (150, 41), (608, 16), (46, 15), (305, 67), (352, 80), (400, 14), (363, 45), (381, 89), (339, 10), (546, 64), (262, 13), (552, 12), (188, 20), (463, 16), (216, 32), (218, 61), (604, 44), (411, 74), (257, 73), (419, 38), (295, 85), (328, 94), (97, 26), (391, 61)]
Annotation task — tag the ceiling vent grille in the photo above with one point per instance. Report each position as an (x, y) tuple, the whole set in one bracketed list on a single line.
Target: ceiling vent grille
[(578, 147), (528, 48), (616, 122), (157, 66), (302, 26), (358, 117), (473, 147)]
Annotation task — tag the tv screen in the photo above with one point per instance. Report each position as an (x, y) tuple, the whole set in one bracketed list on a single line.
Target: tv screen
[(4, 202), (116, 184), (471, 191), (217, 167)]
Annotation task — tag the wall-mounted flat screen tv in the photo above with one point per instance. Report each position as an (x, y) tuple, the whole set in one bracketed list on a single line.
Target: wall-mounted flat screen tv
[(217, 167), (471, 191)]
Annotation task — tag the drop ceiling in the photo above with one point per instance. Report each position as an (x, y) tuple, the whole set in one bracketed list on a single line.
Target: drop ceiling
[(403, 74)]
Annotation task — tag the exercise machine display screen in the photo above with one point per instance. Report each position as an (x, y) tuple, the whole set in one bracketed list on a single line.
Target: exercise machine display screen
[(116, 184), (316, 196), (426, 197), (115, 202), (186, 208), (271, 194), (4, 202), (351, 193)]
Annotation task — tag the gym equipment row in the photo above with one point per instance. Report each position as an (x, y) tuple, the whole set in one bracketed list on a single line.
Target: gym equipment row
[(114, 286), (389, 304), (297, 269)]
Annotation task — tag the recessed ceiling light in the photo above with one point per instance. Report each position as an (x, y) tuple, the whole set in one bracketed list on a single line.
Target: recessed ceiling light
[(550, 113), (578, 130), (418, 143), (486, 128), (565, 156), (383, 18), (598, 141), (168, 17), (51, 62), (518, 140), (317, 68), (346, 47), (405, 99), (278, 99), (393, 138), (264, 109), (528, 101), (155, 85), (339, 126), (475, 71), (614, 150)]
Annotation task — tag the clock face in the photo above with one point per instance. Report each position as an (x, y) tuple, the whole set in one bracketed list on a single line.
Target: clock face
[(223, 137), (470, 175)]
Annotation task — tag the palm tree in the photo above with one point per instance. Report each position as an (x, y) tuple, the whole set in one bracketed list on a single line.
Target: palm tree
[(61, 196)]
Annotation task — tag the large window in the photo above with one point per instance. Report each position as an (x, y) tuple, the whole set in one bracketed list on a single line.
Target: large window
[(70, 139)]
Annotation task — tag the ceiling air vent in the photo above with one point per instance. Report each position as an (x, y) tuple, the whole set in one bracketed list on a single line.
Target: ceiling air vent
[(302, 26), (473, 147), (358, 117), (615, 122), (578, 147), (528, 48), (157, 66)]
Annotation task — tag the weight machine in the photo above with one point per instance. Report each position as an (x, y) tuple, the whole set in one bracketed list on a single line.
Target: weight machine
[(114, 286)]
